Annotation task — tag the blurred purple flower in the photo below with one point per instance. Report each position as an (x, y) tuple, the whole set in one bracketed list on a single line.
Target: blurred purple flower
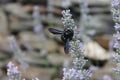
[(115, 3), (38, 28), (118, 64), (12, 72), (80, 45), (36, 13), (116, 45), (19, 55), (117, 36), (117, 26), (86, 5), (90, 75), (15, 70), (79, 76), (13, 44), (10, 65), (12, 69)]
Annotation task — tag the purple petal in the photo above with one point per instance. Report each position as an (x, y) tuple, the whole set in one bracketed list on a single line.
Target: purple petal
[(117, 26)]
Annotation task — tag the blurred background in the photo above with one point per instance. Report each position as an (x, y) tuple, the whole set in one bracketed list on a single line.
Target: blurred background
[(24, 33)]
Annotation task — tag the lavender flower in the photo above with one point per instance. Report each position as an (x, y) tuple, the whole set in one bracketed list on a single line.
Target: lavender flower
[(36, 12), (117, 69), (116, 17), (74, 74), (117, 26), (76, 51), (67, 19), (115, 9), (116, 58), (13, 72), (115, 3), (79, 62), (10, 65), (18, 54), (116, 45), (38, 27)]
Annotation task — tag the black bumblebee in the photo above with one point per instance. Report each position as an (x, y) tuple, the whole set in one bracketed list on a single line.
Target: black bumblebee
[(66, 36)]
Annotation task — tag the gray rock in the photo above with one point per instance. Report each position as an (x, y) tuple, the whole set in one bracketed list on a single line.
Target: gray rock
[(19, 18), (21, 25), (39, 72), (51, 20), (92, 2), (99, 2), (36, 62), (4, 56), (58, 59), (32, 40), (4, 78), (100, 24), (72, 2), (36, 72), (5, 1), (4, 44), (3, 22), (17, 10), (36, 55), (106, 70)]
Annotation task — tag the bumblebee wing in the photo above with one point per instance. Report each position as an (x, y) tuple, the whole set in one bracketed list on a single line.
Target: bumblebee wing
[(55, 31), (66, 48)]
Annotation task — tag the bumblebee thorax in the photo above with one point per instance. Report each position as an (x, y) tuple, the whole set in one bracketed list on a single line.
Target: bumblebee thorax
[(67, 34)]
